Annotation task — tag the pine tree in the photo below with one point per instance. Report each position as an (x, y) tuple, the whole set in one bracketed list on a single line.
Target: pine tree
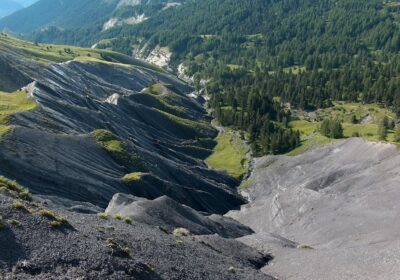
[(332, 129), (382, 131)]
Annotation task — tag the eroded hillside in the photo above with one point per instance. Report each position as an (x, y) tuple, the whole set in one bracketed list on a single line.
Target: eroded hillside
[(330, 213), (97, 121), (84, 129)]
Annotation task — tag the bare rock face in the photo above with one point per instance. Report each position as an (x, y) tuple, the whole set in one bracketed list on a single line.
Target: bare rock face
[(170, 215), (331, 213)]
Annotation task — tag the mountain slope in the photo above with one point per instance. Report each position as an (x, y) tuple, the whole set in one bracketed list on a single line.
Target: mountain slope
[(74, 14), (70, 14), (98, 120), (26, 3), (261, 58), (8, 7), (78, 126)]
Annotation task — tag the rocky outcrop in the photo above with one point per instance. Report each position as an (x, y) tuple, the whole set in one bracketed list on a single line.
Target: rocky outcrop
[(170, 215), (158, 56), (330, 213)]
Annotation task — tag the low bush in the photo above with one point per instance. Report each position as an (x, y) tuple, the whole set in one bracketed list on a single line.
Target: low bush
[(179, 232)]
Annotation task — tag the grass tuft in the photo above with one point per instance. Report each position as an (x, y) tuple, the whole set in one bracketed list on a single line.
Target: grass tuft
[(48, 214), (117, 249), (115, 147), (128, 221), (57, 221), (118, 217), (14, 188), (179, 232), (15, 223), (104, 216), (304, 247), (18, 204), (132, 177)]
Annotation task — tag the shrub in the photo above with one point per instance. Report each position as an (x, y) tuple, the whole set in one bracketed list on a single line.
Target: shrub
[(128, 221), (63, 221), (48, 214), (179, 232), (19, 205), (382, 133), (14, 188), (116, 249), (118, 217), (56, 224), (110, 242), (57, 221), (132, 177), (304, 247), (103, 215), (332, 129)]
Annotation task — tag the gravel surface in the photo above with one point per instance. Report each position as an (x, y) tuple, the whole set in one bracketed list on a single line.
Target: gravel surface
[(331, 213), (94, 247)]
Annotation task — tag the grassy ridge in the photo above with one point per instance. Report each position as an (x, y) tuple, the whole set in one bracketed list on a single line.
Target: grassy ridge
[(48, 53), (11, 103), (44, 53), (230, 154)]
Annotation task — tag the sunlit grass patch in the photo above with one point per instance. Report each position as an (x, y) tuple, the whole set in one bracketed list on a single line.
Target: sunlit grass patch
[(11, 103), (230, 154)]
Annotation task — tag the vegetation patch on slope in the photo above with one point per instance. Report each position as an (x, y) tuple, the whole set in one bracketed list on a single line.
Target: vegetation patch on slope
[(230, 154), (358, 120), (115, 147), (157, 89), (48, 53), (11, 103), (15, 189), (132, 177)]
